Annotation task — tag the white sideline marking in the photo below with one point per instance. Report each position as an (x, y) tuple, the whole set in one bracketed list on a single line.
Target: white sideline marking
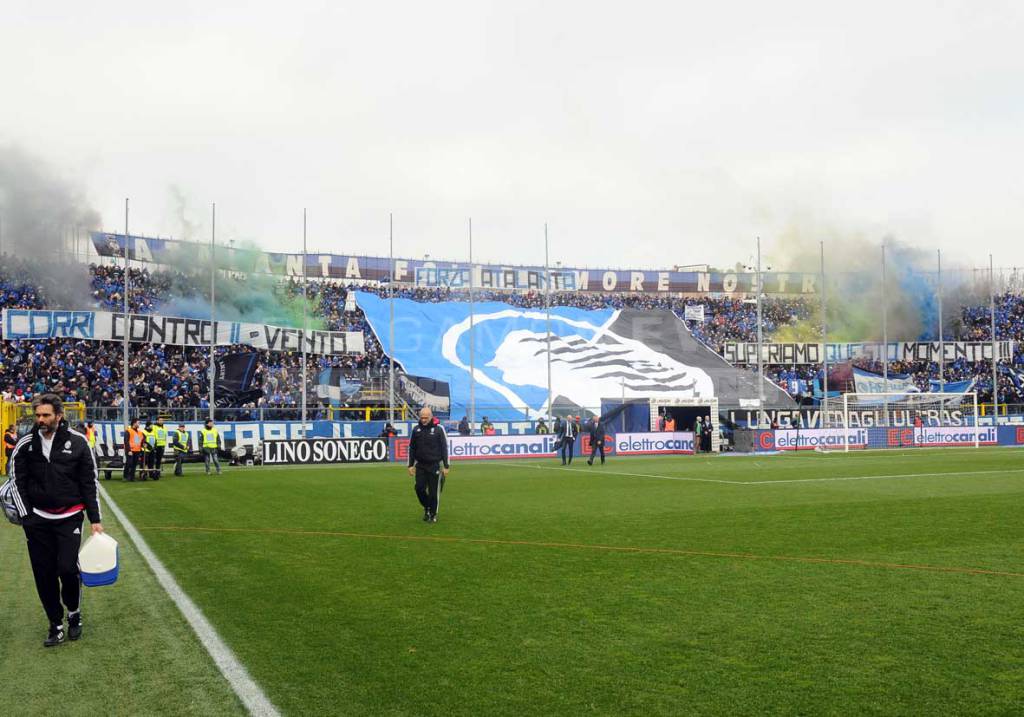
[(237, 676), (771, 482)]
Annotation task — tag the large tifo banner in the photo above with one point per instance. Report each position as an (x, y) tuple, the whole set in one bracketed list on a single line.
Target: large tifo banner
[(152, 329), (595, 355), (451, 274), (812, 353)]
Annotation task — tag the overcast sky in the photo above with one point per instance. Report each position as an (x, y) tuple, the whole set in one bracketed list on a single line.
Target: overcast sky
[(646, 134)]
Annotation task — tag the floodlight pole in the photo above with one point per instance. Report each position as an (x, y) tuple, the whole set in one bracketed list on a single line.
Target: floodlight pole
[(942, 350), (995, 344), (391, 321), (305, 321), (885, 326), (547, 311), (472, 337), (213, 307), (824, 342), (760, 344), (124, 341)]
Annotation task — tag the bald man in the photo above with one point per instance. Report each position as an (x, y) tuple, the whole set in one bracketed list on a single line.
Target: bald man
[(428, 462)]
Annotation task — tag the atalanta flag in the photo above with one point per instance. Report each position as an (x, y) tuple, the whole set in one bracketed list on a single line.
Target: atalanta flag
[(233, 379)]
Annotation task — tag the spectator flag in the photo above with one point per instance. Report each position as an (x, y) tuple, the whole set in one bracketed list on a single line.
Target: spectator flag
[(335, 388), (951, 386), (233, 379), (694, 312)]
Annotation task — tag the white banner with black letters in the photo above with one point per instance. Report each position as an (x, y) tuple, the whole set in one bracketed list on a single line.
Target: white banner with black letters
[(35, 325), (325, 450), (811, 353)]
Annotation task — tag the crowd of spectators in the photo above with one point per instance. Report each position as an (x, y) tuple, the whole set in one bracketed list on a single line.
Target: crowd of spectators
[(176, 377)]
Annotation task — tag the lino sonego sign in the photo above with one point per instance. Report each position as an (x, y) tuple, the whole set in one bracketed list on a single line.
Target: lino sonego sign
[(326, 450)]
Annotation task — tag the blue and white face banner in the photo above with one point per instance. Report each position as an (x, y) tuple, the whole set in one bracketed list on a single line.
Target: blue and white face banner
[(868, 382), (505, 348)]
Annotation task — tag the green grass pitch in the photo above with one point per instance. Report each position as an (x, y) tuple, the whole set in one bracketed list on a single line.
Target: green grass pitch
[(862, 583)]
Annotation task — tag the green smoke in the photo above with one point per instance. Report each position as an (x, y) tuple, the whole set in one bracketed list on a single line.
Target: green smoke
[(242, 292)]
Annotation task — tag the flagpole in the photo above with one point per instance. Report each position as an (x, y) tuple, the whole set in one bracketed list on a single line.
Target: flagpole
[(942, 350), (760, 343), (472, 337), (547, 310), (124, 342), (213, 306), (885, 326), (391, 322), (305, 320), (824, 341), (995, 345)]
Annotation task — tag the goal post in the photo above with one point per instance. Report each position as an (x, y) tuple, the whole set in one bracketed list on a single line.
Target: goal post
[(906, 420)]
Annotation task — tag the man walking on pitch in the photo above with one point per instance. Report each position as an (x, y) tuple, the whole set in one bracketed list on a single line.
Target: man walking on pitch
[(428, 462), (596, 440), (55, 477), (567, 432)]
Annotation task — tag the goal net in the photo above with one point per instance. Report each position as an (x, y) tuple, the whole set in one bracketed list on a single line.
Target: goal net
[(904, 420)]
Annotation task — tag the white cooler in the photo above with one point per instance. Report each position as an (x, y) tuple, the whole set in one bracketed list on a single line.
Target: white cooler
[(97, 561)]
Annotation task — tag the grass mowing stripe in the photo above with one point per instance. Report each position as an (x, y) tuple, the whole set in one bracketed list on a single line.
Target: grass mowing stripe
[(883, 477), (586, 546), (237, 676), (772, 482), (619, 473)]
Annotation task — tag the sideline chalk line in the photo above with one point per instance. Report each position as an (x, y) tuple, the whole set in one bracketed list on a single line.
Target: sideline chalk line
[(254, 699)]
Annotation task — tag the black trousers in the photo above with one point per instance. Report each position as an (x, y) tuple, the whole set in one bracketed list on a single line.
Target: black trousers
[(131, 464), (595, 447), (53, 551), (158, 460), (568, 447), (428, 487), (179, 459)]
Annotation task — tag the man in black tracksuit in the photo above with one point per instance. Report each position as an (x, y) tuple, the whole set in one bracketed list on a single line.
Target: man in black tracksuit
[(596, 430), (54, 470), (428, 461)]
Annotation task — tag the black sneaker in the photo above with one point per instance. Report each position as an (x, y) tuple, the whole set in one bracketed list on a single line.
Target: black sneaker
[(433, 518), (426, 516), (74, 626), (56, 635), (590, 462)]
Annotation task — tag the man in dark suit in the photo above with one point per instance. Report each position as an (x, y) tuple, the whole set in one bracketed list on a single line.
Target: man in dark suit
[(568, 430)]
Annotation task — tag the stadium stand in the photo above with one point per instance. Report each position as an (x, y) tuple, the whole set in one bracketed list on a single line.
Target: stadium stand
[(167, 376)]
